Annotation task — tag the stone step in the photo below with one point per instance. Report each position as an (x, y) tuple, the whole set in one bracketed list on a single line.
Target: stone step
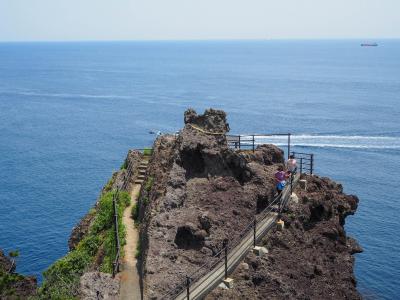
[(141, 177), (138, 181), (142, 171)]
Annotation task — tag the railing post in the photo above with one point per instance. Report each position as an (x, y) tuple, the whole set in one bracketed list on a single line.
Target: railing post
[(253, 143), (301, 165), (187, 287), (239, 141), (226, 258), (288, 145), (311, 163), (254, 231)]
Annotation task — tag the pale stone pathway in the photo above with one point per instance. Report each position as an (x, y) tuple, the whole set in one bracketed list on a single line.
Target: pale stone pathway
[(130, 280)]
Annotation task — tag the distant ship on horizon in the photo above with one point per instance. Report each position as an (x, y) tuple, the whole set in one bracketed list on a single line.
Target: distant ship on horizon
[(369, 45)]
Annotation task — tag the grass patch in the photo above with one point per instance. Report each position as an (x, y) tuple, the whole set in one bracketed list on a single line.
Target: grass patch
[(147, 151), (124, 166), (149, 183), (109, 184), (135, 212)]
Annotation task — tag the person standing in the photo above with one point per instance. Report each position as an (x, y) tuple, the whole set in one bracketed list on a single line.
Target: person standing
[(291, 164), (280, 179)]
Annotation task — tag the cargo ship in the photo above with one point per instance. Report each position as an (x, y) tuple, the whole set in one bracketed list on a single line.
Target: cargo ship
[(369, 45)]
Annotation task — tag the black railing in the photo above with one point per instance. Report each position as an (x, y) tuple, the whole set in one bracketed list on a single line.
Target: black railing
[(305, 162), (251, 141), (198, 277)]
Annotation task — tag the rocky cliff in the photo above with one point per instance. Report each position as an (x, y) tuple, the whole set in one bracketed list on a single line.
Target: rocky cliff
[(202, 192), (199, 192), (312, 258), (13, 285)]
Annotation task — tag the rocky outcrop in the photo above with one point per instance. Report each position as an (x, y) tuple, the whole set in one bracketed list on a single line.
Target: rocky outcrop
[(13, 285), (96, 285), (311, 259), (201, 193)]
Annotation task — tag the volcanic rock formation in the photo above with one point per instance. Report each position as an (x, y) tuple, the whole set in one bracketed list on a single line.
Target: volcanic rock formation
[(311, 259), (198, 193)]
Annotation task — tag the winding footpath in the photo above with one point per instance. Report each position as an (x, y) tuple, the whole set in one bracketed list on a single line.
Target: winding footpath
[(130, 280)]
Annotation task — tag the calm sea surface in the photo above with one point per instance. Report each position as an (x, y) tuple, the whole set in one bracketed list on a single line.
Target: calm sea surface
[(70, 111)]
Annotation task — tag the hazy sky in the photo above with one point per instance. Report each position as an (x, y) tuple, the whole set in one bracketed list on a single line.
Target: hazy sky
[(197, 19)]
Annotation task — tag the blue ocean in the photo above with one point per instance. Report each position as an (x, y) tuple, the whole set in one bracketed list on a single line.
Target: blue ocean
[(69, 112)]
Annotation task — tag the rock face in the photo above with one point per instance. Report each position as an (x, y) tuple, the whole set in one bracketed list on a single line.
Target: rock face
[(96, 285), (311, 258), (12, 285), (201, 193)]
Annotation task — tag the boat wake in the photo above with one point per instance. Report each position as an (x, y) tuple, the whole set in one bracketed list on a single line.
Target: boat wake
[(330, 141)]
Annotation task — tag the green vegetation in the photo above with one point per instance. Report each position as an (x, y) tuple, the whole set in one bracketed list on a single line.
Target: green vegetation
[(149, 183), (62, 278), (145, 200), (14, 253), (7, 283), (109, 184), (124, 166), (147, 151), (9, 280), (138, 250), (135, 213)]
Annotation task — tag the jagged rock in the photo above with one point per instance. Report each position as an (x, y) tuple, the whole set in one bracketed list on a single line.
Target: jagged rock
[(212, 120), (96, 285), (5, 263), (310, 259), (12, 285), (204, 193)]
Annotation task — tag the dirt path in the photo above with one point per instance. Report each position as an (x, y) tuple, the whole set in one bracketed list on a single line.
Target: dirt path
[(130, 286)]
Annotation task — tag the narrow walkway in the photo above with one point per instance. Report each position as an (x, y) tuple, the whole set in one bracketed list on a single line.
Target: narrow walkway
[(130, 280), (208, 282)]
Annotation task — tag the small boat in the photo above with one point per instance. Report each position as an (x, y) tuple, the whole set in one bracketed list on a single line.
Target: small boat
[(369, 45)]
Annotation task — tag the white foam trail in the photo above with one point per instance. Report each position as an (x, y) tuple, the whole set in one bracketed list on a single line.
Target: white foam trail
[(332, 141)]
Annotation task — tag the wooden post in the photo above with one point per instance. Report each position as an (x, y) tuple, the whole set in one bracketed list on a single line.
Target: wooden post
[(288, 145), (239, 142), (253, 143)]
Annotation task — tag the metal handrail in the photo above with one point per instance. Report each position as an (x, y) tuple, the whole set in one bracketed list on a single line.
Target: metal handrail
[(306, 161), (193, 278), (249, 140)]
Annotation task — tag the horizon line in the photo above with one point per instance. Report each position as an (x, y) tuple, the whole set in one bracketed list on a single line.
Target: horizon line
[(201, 40)]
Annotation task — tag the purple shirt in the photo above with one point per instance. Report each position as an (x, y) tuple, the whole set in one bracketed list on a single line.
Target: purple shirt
[(280, 176)]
